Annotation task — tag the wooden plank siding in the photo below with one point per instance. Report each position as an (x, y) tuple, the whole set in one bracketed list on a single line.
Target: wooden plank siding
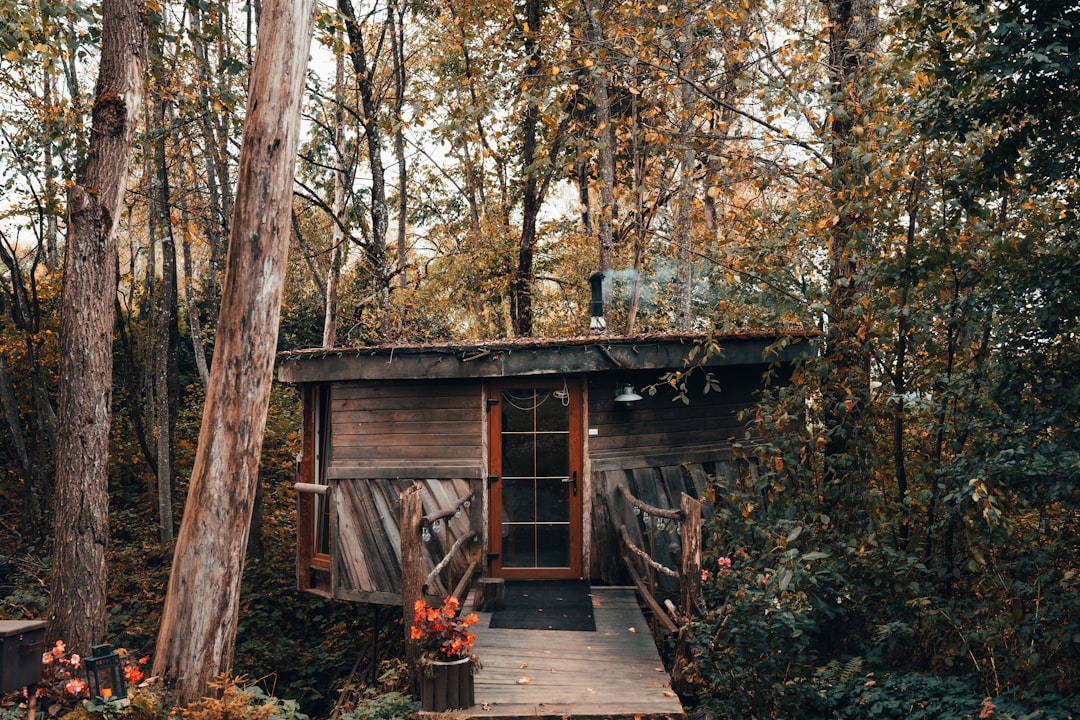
[(406, 429), (660, 429)]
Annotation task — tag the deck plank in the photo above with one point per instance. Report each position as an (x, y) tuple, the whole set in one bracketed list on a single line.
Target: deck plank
[(612, 673)]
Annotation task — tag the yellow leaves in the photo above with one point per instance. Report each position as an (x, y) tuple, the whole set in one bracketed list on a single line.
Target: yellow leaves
[(828, 222), (555, 70)]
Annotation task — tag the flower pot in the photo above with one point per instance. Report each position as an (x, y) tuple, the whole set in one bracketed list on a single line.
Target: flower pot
[(446, 685)]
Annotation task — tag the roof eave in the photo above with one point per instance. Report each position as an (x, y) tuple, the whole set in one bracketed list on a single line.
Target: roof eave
[(502, 359)]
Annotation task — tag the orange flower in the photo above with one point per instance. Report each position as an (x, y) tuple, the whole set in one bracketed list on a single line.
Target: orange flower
[(440, 632), (133, 674)]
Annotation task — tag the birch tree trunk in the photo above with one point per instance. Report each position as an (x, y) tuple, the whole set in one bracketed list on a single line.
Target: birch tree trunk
[(81, 535), (197, 635)]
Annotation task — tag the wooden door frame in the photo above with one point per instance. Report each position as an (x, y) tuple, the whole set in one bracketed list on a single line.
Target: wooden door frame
[(575, 386)]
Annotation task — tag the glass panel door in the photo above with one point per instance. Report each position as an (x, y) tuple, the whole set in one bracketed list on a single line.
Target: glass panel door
[(535, 498)]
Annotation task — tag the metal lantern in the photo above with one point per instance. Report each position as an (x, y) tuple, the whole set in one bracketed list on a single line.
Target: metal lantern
[(105, 674)]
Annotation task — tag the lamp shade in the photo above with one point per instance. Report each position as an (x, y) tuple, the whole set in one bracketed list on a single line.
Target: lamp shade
[(626, 394)]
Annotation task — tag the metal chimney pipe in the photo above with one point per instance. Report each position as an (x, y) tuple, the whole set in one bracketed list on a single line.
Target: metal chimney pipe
[(597, 323)]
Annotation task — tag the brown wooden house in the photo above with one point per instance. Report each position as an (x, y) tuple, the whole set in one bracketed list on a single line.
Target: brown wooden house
[(519, 448)]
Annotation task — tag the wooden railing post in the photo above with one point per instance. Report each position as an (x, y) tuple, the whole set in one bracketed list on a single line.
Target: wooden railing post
[(412, 562), (690, 586)]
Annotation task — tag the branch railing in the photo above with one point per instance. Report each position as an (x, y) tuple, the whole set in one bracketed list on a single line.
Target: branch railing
[(687, 556), (415, 528)]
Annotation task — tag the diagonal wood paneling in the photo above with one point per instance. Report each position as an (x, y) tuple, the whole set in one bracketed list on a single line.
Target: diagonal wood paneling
[(366, 542)]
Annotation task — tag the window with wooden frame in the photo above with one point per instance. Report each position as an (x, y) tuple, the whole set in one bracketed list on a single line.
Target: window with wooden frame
[(313, 510)]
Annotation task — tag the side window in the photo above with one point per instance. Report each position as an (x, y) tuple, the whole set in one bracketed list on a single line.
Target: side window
[(322, 458)]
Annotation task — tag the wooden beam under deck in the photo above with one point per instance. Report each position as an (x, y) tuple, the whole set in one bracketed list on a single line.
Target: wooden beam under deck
[(612, 673)]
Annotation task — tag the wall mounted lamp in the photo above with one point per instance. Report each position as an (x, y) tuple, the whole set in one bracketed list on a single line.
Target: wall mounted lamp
[(626, 395)]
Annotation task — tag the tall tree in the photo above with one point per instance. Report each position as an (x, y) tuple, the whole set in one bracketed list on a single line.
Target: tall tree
[(338, 239), (365, 61), (536, 170), (852, 35), (197, 635), (81, 528), (605, 138), (165, 324)]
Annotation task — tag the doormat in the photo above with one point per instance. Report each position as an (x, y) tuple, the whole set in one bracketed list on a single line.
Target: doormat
[(546, 605)]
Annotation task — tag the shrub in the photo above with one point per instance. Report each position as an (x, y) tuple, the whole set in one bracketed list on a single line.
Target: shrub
[(917, 696), (235, 700), (388, 700)]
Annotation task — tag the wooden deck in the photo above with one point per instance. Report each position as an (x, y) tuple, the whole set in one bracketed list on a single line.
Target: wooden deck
[(612, 673)]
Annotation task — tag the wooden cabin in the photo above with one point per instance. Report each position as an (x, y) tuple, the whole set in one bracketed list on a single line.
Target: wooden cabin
[(519, 448)]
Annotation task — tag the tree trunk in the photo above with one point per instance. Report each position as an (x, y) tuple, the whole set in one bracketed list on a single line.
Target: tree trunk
[(81, 532), (192, 304), (684, 259), (333, 274), (167, 337), (605, 150), (376, 246), (847, 393), (198, 625), (521, 287), (638, 221), (397, 36)]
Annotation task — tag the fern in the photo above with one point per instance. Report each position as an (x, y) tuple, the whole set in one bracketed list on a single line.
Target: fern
[(839, 672)]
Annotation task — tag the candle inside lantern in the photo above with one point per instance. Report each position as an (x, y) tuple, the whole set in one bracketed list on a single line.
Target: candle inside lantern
[(106, 692)]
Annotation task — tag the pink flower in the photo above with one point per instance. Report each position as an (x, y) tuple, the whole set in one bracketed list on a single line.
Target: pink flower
[(46, 658), (59, 649), (75, 686), (724, 563), (75, 660), (987, 709), (704, 575)]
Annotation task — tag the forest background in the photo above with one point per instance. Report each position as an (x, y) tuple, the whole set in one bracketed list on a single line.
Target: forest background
[(901, 177)]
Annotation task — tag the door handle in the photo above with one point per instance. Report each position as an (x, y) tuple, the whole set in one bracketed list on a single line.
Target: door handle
[(573, 482)]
